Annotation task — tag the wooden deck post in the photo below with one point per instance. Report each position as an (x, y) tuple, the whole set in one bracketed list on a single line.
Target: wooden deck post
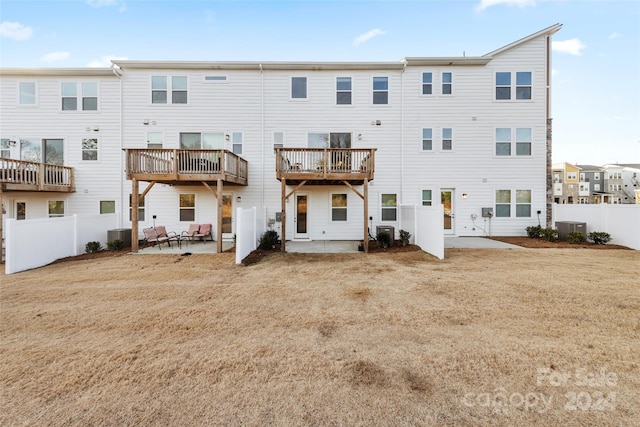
[(134, 215), (283, 214), (219, 224), (365, 192), (1, 206)]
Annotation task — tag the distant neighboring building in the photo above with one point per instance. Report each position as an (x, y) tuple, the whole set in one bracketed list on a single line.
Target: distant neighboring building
[(590, 184)]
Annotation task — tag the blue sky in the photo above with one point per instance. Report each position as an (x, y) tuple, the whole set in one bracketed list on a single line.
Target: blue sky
[(596, 55)]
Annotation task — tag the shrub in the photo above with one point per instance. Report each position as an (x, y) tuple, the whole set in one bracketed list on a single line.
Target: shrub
[(384, 239), (92, 247), (269, 239), (549, 234), (534, 231), (404, 237), (599, 237), (576, 237), (115, 245)]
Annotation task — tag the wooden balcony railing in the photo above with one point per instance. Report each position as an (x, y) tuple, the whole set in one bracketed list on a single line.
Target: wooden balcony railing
[(325, 164), (185, 165), (20, 175)]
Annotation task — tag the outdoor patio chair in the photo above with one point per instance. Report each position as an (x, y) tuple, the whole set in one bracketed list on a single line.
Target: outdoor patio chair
[(203, 232), (158, 235), (190, 233)]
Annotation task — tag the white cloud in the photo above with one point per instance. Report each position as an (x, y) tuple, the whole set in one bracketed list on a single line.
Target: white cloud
[(15, 31), (615, 35), (485, 4), (55, 56), (572, 46), (105, 61), (106, 3), (368, 36)]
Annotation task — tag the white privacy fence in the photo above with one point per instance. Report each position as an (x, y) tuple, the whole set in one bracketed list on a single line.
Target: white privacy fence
[(250, 225), (36, 242), (426, 225), (622, 222)]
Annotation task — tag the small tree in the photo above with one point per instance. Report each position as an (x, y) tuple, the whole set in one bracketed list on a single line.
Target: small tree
[(115, 245), (534, 231), (92, 247), (576, 237), (404, 237), (599, 237), (269, 239)]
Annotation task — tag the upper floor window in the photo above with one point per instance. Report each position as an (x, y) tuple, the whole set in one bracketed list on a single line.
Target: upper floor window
[(523, 141), (381, 90), (503, 142), (523, 85), (87, 91), (522, 89), (572, 175), (343, 90), (427, 139), (236, 143), (89, 149), (503, 85), (299, 87), (162, 85), (596, 176), (447, 83), (5, 150), (155, 140), (427, 83), (27, 93), (447, 139)]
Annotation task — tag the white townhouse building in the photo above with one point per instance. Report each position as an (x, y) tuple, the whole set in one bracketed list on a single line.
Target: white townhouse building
[(327, 149)]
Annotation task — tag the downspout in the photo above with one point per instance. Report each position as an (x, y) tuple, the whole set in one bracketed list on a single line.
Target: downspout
[(402, 136), (262, 132), (548, 128), (121, 210)]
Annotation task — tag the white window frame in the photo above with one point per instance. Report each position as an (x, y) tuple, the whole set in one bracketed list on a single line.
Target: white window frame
[(501, 86), (343, 91), (524, 85), (169, 89), (5, 148), (596, 176), (185, 208), (55, 215), (444, 84), (35, 94), (236, 143), (502, 141), (519, 194), (86, 149), (446, 139), (522, 141), (80, 95), (427, 85), (389, 208), (293, 88), (503, 203), (572, 176), (377, 91), (427, 201), (427, 139), (339, 208), (141, 207)]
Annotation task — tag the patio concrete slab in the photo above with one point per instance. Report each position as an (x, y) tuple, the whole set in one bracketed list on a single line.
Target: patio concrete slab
[(207, 247), (475, 242), (322, 246)]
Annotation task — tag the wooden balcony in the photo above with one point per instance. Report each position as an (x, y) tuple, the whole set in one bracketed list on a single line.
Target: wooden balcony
[(325, 166), (19, 175), (185, 167)]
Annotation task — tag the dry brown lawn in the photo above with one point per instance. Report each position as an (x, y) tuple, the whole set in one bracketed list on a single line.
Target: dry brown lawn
[(485, 337)]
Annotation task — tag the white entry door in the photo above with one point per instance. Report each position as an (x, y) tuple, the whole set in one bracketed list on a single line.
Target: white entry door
[(301, 216), (447, 199)]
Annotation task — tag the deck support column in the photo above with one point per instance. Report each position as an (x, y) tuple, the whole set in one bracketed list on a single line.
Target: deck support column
[(365, 199), (283, 214), (219, 225), (134, 215), (1, 206)]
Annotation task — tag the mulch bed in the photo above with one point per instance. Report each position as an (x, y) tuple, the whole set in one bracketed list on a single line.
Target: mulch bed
[(529, 242)]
